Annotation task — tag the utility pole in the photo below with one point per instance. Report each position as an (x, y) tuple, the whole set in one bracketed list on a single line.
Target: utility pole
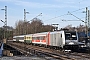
[(6, 16), (24, 15), (5, 23), (86, 22), (24, 21), (25, 27)]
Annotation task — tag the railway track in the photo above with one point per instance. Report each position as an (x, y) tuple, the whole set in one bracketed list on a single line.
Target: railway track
[(84, 55), (41, 51)]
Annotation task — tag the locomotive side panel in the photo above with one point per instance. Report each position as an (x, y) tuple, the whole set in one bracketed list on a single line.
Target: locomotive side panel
[(52, 40), (58, 40)]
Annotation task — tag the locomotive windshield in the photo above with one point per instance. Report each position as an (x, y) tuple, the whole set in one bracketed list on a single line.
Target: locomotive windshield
[(70, 36)]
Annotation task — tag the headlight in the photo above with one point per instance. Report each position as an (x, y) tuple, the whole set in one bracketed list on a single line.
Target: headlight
[(83, 46), (71, 43)]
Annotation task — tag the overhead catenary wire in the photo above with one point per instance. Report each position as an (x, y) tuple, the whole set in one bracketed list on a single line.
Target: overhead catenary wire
[(66, 14), (76, 17)]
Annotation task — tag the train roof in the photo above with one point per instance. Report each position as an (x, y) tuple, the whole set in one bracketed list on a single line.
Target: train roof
[(43, 33), (29, 35), (18, 36)]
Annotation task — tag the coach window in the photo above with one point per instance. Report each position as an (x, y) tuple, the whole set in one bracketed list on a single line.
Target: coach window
[(40, 38), (37, 38), (43, 37), (34, 38), (29, 37)]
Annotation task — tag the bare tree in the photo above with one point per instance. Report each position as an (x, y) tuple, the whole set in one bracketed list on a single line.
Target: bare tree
[(81, 28), (35, 26), (19, 27)]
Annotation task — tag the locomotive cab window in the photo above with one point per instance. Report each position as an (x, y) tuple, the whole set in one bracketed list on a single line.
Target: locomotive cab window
[(70, 36)]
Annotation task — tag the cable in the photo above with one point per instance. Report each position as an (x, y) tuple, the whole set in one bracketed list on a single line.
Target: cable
[(56, 17), (66, 14)]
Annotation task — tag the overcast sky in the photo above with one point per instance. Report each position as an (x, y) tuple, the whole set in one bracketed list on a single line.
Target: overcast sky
[(53, 11)]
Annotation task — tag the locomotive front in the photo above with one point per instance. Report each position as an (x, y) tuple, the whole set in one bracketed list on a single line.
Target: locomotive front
[(71, 40)]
